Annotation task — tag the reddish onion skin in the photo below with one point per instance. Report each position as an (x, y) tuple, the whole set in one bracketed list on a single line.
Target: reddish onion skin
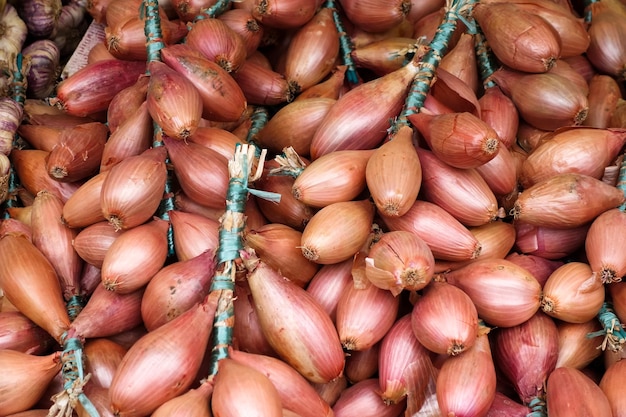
[(548, 242), (93, 242), (193, 403), (108, 313), (176, 288), (135, 257), (83, 207), (570, 392), (30, 283), (362, 364), (539, 267), (607, 34), (194, 234), (447, 238), (363, 399), (91, 89), (376, 16), (602, 245), (284, 14), (295, 392), (504, 293), (466, 384), (612, 384), (162, 364), (247, 333), (503, 406), (104, 358), (240, 390), (565, 201), (328, 283), (573, 293), (18, 332), (444, 320), (133, 189), (527, 354), (399, 351), (461, 192), (365, 315), (25, 379), (360, 118), (499, 112), (576, 349), (296, 339)]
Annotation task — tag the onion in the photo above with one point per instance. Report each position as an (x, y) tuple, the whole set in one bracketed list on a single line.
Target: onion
[(602, 246), (25, 379), (308, 341), (247, 333), (284, 14), (135, 257), (295, 392), (245, 25), (278, 246), (337, 231), (527, 354), (362, 364), (44, 58), (173, 101), (504, 293), (328, 283), (176, 288), (108, 313), (126, 102), (566, 201), (603, 96), (19, 333), (549, 242), (499, 112), (162, 364), (607, 32), (466, 384), (570, 392), (376, 16), (104, 357), (363, 399), (240, 390), (445, 320), (365, 315), (133, 190), (193, 403), (93, 242), (394, 174), (400, 361), (576, 348), (573, 293), (613, 387), (30, 283)]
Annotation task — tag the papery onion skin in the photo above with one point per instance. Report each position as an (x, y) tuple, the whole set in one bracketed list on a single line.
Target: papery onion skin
[(576, 349), (193, 403), (93, 241), (612, 384), (328, 283), (603, 245), (527, 354), (573, 293), (399, 351), (83, 208), (162, 364), (571, 392), (549, 242), (242, 390), (104, 358), (504, 293), (445, 320), (466, 384), (295, 392), (362, 364), (18, 332), (365, 315), (565, 201), (298, 344), (362, 399)]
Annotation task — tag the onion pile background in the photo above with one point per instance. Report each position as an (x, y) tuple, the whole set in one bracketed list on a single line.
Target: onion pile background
[(314, 208)]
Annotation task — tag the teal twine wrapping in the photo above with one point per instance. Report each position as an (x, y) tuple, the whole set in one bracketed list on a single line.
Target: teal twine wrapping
[(621, 181), (612, 329), (230, 239), (217, 9), (259, 118), (538, 407), (221, 335), (74, 306), (345, 45), (19, 95), (72, 371), (428, 65), (485, 59), (588, 15), (152, 29)]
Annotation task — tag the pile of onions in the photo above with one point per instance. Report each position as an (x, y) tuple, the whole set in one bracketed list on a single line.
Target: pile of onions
[(452, 265)]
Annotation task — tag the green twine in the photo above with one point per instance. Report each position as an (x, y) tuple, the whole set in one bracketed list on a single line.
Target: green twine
[(612, 329), (486, 60), (538, 407), (230, 239), (259, 118), (430, 61), (149, 10), (19, 96), (222, 282), (74, 306), (221, 336), (73, 372), (345, 44), (621, 181), (217, 9)]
